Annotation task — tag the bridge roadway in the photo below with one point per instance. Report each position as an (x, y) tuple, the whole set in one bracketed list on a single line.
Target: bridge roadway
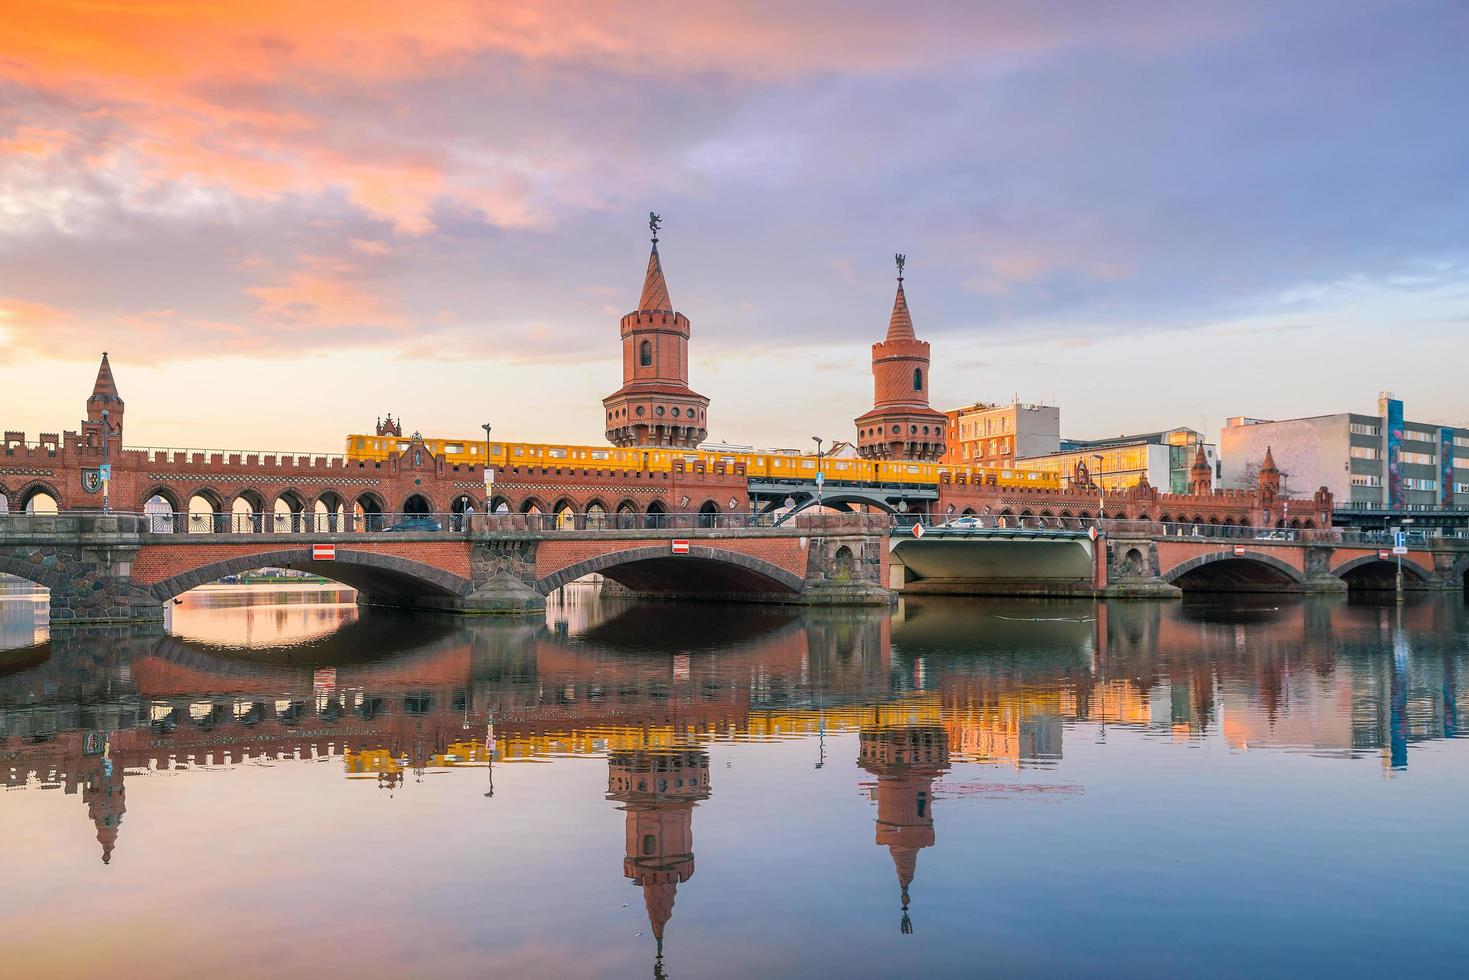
[(123, 567)]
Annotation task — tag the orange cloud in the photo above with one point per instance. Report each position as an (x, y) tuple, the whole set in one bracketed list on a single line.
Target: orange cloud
[(326, 293), (213, 93)]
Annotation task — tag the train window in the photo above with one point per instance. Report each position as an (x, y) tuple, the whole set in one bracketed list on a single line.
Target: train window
[(556, 453)]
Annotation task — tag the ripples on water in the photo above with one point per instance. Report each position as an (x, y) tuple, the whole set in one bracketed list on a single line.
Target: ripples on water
[(1248, 787)]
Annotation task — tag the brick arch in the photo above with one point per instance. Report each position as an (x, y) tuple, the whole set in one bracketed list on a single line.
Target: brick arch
[(22, 496), (32, 572), (361, 570), (291, 495), (258, 501), (1214, 557), (784, 580), (433, 504), (207, 492), (169, 494), (1361, 560)]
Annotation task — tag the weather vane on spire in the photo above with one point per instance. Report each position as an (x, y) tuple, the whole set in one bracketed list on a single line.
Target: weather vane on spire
[(654, 221), (901, 260)]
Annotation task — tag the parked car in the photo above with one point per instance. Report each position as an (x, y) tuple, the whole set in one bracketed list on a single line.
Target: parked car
[(415, 524), (966, 523)]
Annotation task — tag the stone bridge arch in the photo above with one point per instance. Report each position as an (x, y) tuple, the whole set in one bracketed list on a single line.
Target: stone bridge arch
[(371, 573), (1230, 570), (37, 573), (704, 570), (1389, 568)]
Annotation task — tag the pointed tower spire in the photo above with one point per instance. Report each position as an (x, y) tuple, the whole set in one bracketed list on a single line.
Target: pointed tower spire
[(104, 398), (655, 287), (900, 324), (1269, 465), (105, 387), (1201, 474)]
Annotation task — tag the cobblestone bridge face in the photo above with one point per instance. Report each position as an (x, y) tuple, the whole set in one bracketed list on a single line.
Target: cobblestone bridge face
[(108, 568)]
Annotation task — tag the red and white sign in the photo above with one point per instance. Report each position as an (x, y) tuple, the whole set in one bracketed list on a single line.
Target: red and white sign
[(1384, 554), (1239, 550), (680, 546), (1091, 532), (323, 552), (918, 530)]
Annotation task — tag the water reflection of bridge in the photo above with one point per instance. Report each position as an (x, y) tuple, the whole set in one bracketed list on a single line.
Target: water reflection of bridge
[(938, 685)]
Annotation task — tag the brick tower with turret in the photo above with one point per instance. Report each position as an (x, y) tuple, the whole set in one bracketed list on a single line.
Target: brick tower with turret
[(655, 405), (901, 425)]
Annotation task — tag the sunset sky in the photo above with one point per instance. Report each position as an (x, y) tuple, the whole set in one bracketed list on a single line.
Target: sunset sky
[(283, 219)]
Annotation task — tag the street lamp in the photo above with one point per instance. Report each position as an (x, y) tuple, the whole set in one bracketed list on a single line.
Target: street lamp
[(106, 461), (1399, 556), (819, 478), (489, 473), (1101, 491)]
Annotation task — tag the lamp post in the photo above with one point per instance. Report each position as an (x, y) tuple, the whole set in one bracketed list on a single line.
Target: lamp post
[(1101, 491), (489, 477), (106, 461), (1399, 579), (819, 478)]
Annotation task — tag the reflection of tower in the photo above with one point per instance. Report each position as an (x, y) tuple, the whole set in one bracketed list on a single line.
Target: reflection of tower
[(906, 759), (106, 801), (658, 789)]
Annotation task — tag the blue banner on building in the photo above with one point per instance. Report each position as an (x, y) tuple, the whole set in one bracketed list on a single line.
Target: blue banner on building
[(1394, 452), (1446, 467)]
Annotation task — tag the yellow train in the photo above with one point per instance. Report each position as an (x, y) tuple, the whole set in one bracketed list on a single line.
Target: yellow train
[(758, 465)]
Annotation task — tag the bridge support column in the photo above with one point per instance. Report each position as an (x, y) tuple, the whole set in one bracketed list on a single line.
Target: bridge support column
[(1318, 579), (1132, 569), (86, 561), (504, 576), (847, 570)]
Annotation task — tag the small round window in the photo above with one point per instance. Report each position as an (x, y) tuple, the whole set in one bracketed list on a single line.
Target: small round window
[(640, 410), (659, 411)]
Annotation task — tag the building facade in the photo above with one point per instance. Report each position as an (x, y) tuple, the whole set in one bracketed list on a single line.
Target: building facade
[(1161, 459), (1367, 461), (901, 424), (997, 435)]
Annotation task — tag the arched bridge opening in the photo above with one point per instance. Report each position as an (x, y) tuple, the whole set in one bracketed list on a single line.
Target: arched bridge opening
[(1250, 572), (1373, 574), (379, 579), (703, 572)]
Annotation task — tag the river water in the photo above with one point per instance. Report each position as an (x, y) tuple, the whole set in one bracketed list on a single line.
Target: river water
[(281, 785)]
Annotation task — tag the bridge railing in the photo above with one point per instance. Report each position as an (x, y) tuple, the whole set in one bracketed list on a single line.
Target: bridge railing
[(306, 522)]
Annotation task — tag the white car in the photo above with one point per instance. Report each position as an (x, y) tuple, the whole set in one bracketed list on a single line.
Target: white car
[(967, 523)]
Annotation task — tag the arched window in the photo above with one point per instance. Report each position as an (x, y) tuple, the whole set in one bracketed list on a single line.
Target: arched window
[(645, 354), (918, 379)]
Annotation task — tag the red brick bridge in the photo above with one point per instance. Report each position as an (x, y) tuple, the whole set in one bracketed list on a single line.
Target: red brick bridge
[(119, 567)]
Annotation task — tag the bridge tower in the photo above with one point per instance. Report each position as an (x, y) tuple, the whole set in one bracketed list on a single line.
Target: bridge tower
[(1269, 478), (658, 789), (901, 425), (655, 405), (1201, 474), (104, 397), (906, 759)]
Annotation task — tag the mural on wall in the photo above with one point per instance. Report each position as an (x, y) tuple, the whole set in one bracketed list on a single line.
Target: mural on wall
[(1394, 419), (1446, 467)]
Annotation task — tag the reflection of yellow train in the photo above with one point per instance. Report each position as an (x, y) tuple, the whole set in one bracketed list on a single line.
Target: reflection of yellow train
[(758, 465)]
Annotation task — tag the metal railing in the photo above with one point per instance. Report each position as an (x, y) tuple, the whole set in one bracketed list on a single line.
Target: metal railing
[(309, 523)]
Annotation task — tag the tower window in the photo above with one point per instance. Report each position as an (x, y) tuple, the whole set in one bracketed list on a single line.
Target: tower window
[(918, 379), (645, 354)]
